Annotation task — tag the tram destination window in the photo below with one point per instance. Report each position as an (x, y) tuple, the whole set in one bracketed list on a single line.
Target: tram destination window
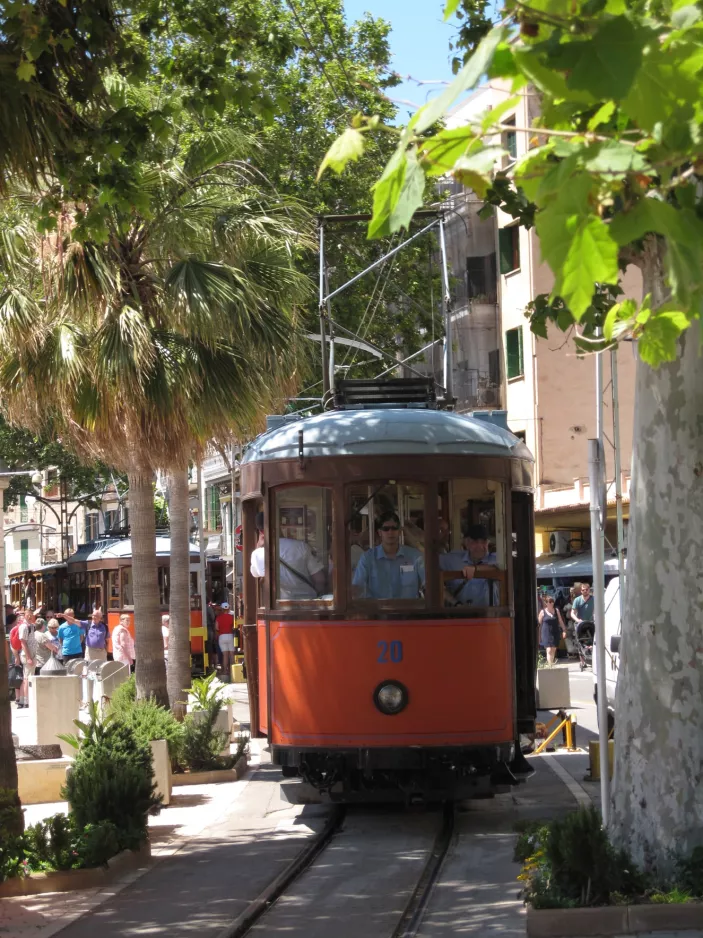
[(302, 535), (386, 530), (472, 543)]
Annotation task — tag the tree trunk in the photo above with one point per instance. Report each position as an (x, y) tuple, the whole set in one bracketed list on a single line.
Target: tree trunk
[(8, 765), (149, 646), (658, 786), (179, 640)]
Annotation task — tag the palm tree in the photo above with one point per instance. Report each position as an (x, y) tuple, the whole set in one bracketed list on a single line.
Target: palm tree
[(142, 347)]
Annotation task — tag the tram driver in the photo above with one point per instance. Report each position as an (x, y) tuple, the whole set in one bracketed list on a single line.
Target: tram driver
[(390, 570), (301, 575), (473, 590)]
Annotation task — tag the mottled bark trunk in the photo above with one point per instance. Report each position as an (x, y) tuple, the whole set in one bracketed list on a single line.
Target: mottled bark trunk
[(179, 641), (8, 766), (149, 647), (658, 786)]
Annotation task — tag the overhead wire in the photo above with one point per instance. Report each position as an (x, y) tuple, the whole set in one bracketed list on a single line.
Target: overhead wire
[(328, 32)]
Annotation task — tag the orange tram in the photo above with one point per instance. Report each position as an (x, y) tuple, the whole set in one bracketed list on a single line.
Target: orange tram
[(99, 575), (391, 640)]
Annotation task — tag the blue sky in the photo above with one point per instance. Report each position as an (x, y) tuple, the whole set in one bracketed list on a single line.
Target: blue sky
[(419, 43)]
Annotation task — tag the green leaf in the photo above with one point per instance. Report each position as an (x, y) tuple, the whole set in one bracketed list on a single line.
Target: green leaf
[(546, 79), (607, 64), (493, 117), (614, 158), (26, 71), (616, 315), (602, 115), (592, 258), (347, 147), (474, 170), (397, 194), (438, 154), (468, 78), (652, 215), (659, 340), (450, 8)]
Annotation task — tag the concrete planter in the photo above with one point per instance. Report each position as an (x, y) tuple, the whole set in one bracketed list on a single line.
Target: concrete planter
[(41, 780), (213, 777), (66, 880), (608, 921), (224, 722), (553, 690), (161, 769)]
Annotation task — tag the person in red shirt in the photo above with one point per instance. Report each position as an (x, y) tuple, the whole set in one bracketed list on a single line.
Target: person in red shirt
[(225, 638)]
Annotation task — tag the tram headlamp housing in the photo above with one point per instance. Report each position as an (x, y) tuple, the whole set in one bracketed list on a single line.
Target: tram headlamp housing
[(390, 697)]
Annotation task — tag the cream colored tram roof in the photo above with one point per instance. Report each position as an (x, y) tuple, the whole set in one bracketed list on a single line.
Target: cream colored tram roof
[(386, 431)]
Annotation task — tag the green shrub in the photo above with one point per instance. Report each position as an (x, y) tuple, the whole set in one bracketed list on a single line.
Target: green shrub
[(124, 697), (111, 780), (59, 844), (202, 743), (147, 719), (205, 691), (11, 830), (572, 863), (689, 873)]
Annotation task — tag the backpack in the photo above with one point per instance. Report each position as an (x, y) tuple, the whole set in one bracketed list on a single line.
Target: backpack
[(15, 642)]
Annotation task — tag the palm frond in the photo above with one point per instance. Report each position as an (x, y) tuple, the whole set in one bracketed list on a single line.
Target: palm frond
[(223, 145)]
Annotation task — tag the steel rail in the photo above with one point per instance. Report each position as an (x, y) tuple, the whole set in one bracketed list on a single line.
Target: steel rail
[(263, 902), (411, 919)]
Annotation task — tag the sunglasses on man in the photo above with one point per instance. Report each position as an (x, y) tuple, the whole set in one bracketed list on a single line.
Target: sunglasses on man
[(389, 527)]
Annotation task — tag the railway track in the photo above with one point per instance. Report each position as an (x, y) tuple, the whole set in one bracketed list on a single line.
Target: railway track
[(257, 918)]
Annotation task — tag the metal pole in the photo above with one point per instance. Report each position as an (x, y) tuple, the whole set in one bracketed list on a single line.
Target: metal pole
[(381, 260), (331, 325), (323, 327), (233, 507), (598, 510), (618, 475), (201, 542), (447, 315)]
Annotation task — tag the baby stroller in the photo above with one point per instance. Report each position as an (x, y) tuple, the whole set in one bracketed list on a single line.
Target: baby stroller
[(585, 631)]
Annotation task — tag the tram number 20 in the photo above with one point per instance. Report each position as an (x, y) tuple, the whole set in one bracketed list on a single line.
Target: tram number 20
[(390, 651)]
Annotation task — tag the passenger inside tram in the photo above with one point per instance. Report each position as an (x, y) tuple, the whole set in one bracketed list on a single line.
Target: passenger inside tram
[(390, 570), (301, 575), (472, 590)]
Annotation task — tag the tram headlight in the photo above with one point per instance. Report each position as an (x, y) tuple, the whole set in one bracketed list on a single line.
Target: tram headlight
[(390, 697)]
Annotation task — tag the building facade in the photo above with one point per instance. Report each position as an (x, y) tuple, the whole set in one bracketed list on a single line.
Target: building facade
[(547, 389)]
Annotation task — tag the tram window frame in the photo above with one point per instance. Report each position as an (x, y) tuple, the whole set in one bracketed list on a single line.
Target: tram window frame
[(324, 528), (367, 491), (127, 586), (113, 589)]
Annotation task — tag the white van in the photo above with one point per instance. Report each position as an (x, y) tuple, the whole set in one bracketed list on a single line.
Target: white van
[(612, 648)]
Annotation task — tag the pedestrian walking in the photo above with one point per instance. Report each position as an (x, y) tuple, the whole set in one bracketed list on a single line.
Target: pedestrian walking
[(225, 633), (165, 630), (123, 643), (71, 636), (27, 656), (47, 644), (551, 627)]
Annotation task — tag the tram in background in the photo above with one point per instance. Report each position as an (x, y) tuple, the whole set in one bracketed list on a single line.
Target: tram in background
[(99, 575), (408, 697)]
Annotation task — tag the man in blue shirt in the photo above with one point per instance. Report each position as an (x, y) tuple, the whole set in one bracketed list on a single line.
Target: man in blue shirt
[(392, 570), (472, 590)]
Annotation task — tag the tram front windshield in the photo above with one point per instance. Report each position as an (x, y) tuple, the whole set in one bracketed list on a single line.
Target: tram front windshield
[(388, 552)]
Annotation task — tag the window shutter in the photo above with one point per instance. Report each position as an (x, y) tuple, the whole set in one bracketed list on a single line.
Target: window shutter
[(505, 245)]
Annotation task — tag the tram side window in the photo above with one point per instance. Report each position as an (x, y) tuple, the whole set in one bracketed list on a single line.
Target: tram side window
[(113, 589), (303, 545), (473, 543), (164, 586), (127, 590), (386, 529)]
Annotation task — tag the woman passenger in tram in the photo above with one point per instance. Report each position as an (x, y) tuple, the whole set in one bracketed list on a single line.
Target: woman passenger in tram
[(390, 570)]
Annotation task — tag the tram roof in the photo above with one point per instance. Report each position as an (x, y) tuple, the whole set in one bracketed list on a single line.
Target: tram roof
[(119, 548), (387, 431)]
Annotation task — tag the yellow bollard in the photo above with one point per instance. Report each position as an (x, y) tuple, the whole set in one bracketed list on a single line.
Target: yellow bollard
[(594, 758)]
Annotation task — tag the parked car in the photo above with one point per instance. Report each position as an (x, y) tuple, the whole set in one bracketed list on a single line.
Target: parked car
[(612, 649)]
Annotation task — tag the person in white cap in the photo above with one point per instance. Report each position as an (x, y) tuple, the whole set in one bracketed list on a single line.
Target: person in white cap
[(225, 639)]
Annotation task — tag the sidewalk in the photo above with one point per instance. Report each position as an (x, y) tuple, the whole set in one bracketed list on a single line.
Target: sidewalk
[(193, 809)]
